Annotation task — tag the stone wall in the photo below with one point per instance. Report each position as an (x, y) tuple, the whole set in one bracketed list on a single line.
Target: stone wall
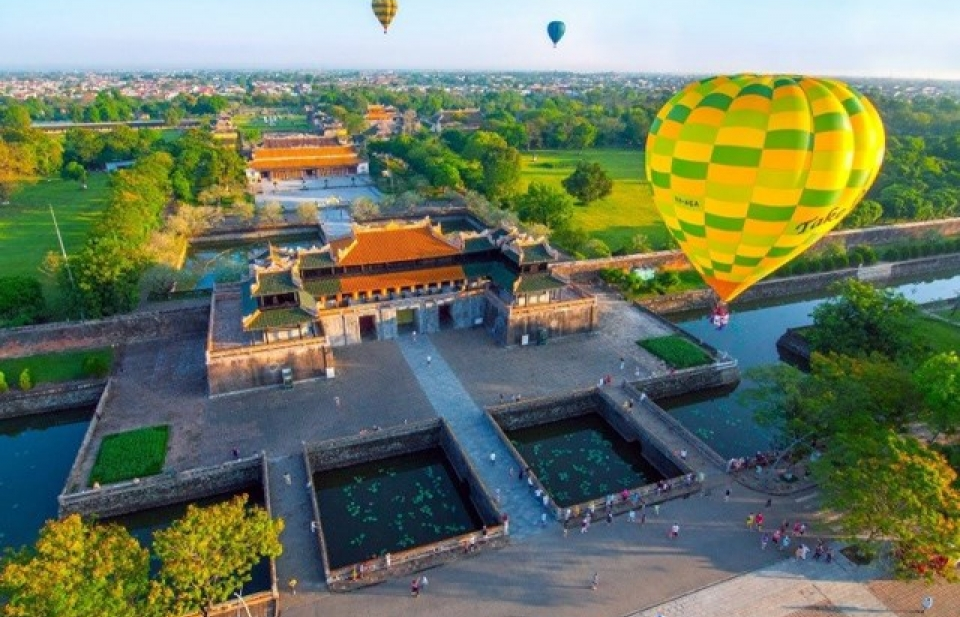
[(51, 397), (689, 380), (792, 343), (279, 231), (509, 324), (165, 489), (515, 416), (258, 366), (133, 328), (807, 283), (466, 472), (588, 269), (357, 449)]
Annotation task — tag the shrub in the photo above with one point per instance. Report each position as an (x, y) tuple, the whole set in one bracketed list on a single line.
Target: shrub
[(133, 454), (676, 351), (96, 366), (862, 255), (26, 381), (3, 383)]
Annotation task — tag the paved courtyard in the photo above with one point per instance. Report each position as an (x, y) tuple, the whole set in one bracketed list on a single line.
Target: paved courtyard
[(542, 572)]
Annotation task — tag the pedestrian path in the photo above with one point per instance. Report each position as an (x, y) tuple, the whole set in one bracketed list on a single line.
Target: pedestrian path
[(290, 501), (781, 590), (452, 403)]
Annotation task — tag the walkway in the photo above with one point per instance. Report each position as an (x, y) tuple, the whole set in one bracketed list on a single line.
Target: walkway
[(786, 589), (300, 559), (452, 402)]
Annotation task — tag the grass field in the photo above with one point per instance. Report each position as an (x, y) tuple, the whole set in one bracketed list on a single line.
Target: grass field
[(26, 228), (938, 336), (54, 367), (676, 351), (284, 122), (133, 454), (628, 211)]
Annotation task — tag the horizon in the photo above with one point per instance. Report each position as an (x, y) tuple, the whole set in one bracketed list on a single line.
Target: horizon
[(883, 39)]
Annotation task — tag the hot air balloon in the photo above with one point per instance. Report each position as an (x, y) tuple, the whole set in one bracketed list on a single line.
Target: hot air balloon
[(748, 171), (385, 10), (555, 30)]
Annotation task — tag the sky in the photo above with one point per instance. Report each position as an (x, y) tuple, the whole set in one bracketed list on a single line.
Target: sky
[(874, 38)]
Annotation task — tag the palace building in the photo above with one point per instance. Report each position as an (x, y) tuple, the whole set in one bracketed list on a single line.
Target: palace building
[(382, 281), (300, 157)]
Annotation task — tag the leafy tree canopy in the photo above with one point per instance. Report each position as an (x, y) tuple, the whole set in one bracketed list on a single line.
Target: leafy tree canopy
[(589, 182)]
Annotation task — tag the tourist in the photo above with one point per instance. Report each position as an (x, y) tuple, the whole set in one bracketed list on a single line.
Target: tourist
[(543, 519), (683, 454), (493, 458), (622, 363), (414, 336), (750, 520), (636, 371), (313, 526), (769, 502), (292, 583), (632, 516), (609, 517), (287, 479), (336, 401), (546, 500), (585, 524), (656, 510), (785, 543), (596, 581), (675, 531), (777, 535), (387, 560), (236, 453), (818, 552), (759, 521), (415, 588), (643, 517), (423, 582), (829, 555), (726, 495), (764, 540)]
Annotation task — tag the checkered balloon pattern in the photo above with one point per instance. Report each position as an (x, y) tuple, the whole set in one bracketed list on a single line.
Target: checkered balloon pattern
[(748, 171)]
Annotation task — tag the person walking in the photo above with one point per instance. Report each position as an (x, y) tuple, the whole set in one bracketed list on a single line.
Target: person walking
[(764, 540), (675, 531), (429, 360), (656, 510), (759, 521), (415, 588), (750, 520), (596, 581), (493, 458), (423, 582), (726, 495), (292, 583)]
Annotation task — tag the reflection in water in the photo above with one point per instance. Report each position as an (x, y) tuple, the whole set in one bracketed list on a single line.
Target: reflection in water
[(723, 422), (36, 454), (392, 505), (583, 458)]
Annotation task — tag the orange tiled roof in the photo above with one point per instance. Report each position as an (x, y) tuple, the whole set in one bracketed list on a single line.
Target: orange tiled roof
[(396, 280), (306, 151), (305, 162), (386, 245)]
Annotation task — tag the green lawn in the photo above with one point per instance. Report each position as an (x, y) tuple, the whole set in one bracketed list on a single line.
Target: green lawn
[(56, 366), (26, 227), (133, 454), (285, 122), (629, 210), (676, 351), (938, 336)]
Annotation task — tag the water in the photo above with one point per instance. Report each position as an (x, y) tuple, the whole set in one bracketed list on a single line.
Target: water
[(143, 524), (723, 422), (583, 458), (224, 262), (392, 505), (36, 454)]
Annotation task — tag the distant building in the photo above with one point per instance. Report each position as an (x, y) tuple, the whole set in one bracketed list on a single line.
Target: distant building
[(303, 156), (385, 119), (382, 280), (460, 119)]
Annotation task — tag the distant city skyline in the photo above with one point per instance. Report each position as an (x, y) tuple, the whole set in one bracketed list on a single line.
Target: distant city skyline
[(878, 38)]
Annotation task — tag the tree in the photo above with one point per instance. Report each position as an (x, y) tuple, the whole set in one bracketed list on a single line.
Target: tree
[(307, 212), (271, 212), (74, 171), (78, 569), (890, 487), (209, 554), (499, 162), (865, 214), (26, 381), (364, 208), (588, 182), (862, 320), (938, 381), (545, 205), (21, 301)]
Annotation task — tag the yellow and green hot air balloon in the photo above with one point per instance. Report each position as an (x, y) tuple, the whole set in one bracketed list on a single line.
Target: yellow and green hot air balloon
[(748, 171), (385, 10)]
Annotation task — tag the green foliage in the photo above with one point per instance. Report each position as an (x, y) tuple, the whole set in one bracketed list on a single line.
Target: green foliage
[(26, 381), (4, 386), (73, 171), (202, 166), (96, 365), (862, 320), (589, 182), (271, 213), (938, 381), (676, 351), (209, 554), (595, 248), (78, 569), (21, 301), (545, 205), (890, 487), (132, 454)]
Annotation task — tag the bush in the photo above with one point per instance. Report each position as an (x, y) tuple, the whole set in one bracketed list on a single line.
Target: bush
[(26, 381), (862, 255), (676, 351), (133, 454), (3, 383), (96, 366)]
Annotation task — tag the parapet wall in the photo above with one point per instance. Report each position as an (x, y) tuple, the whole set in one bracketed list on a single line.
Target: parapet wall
[(51, 397), (165, 489), (133, 328)]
